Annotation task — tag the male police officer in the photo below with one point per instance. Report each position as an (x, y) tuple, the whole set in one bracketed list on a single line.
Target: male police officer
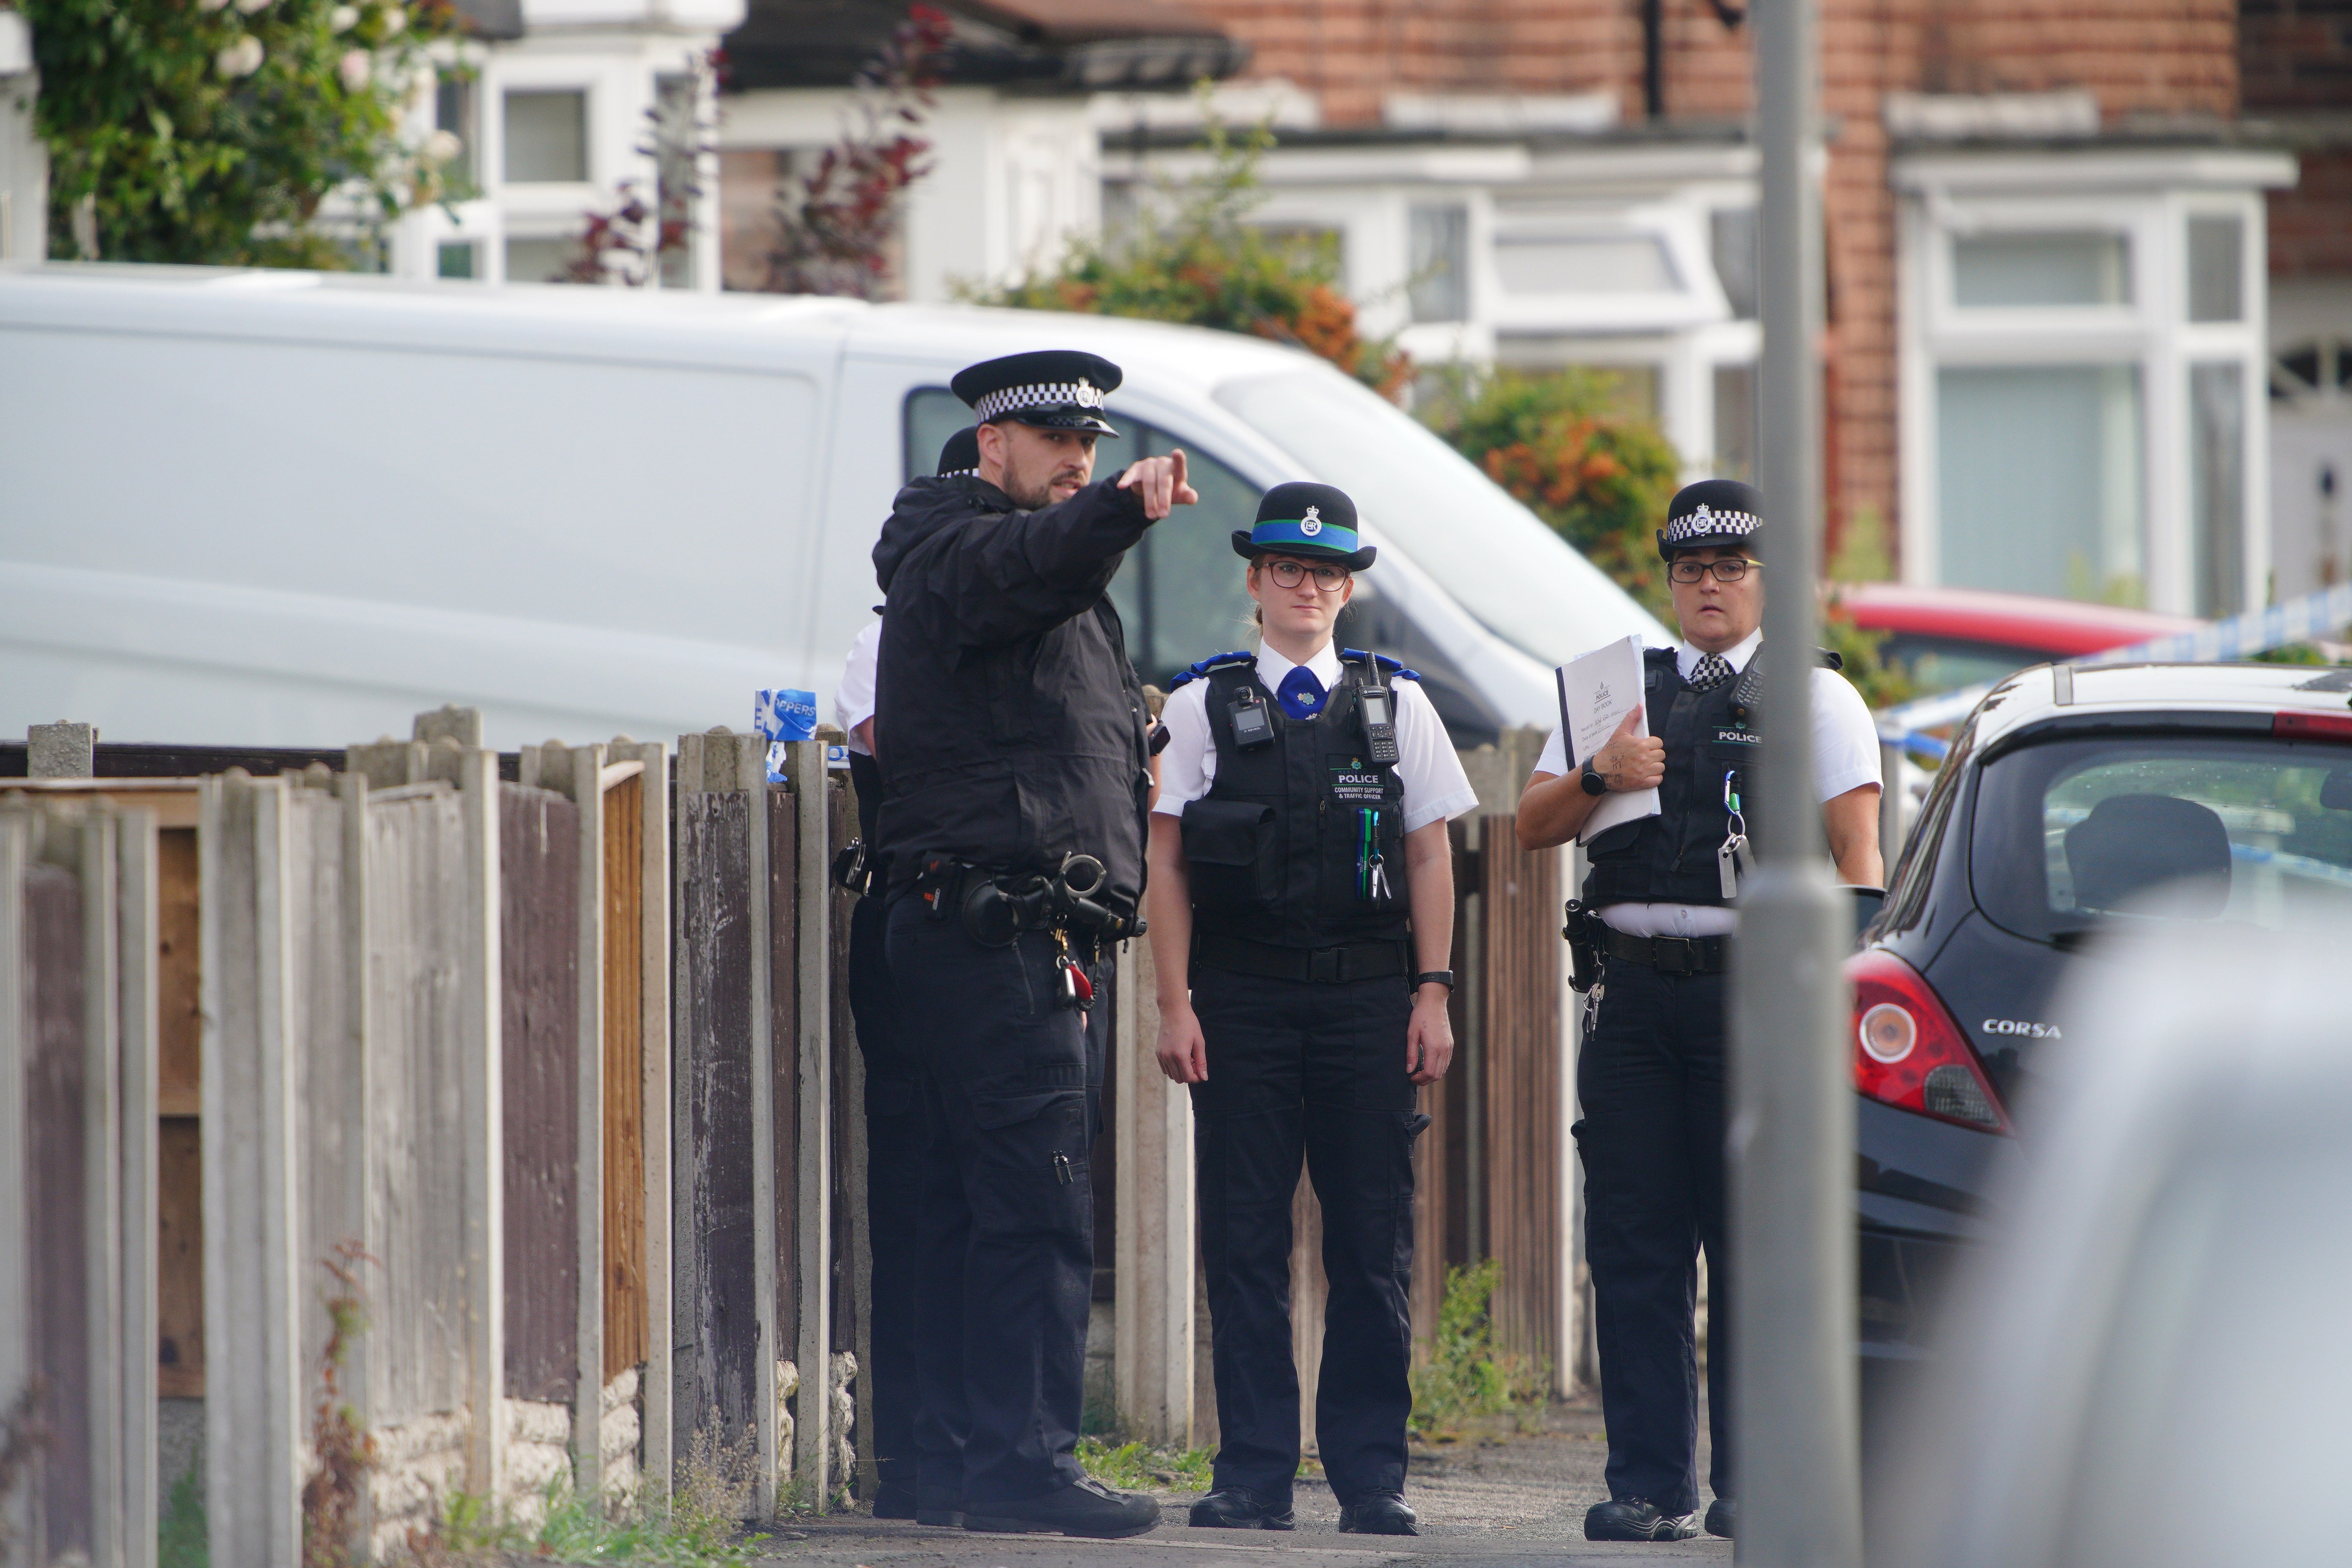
[(1010, 731), (1658, 907), (894, 1074)]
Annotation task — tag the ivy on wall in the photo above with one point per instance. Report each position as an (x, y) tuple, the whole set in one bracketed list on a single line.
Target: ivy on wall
[(215, 130)]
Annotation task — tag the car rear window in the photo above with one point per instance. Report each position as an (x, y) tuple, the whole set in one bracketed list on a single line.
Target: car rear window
[(2070, 832)]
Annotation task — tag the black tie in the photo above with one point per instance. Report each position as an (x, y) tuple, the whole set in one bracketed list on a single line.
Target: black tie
[(1711, 671)]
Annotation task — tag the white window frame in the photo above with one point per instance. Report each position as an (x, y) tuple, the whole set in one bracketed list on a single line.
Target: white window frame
[(2148, 197)]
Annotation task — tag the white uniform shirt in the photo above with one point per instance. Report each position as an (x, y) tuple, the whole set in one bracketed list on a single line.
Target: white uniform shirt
[(1846, 757), (852, 699), (1436, 787)]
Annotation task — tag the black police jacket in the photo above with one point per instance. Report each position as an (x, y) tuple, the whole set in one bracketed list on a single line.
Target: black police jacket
[(1298, 842), (1008, 723), (1712, 737)]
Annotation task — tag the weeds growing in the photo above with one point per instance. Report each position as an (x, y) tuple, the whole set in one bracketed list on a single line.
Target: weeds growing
[(346, 1453), (1465, 1376), (1134, 1466), (182, 1539)]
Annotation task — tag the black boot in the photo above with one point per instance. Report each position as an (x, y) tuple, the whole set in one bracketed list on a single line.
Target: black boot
[(894, 1502), (1238, 1508), (1380, 1514), (1636, 1519), (1720, 1516), (1085, 1507)]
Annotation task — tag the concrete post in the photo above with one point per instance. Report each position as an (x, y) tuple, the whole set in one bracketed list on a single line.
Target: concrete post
[(483, 1097), (813, 1235), (15, 1282), (1791, 1138), (61, 750), (1152, 1325), (1891, 808)]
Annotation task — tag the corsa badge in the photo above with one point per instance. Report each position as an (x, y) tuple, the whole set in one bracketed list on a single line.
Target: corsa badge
[(2021, 1028)]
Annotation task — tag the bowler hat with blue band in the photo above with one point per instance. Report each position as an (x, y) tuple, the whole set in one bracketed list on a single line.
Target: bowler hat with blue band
[(1711, 513), (1310, 521), (1053, 389)]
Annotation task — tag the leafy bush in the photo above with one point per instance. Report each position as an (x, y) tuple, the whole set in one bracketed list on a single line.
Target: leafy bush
[(1200, 263), (1565, 447), (1465, 1376)]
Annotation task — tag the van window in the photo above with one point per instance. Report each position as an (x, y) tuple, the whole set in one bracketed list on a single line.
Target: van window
[(1179, 590)]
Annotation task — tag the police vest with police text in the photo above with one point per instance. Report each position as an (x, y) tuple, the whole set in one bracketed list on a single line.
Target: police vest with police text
[(1299, 842), (1712, 735)]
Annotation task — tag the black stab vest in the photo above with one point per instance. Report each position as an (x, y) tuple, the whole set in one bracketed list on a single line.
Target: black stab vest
[(1280, 849), (1670, 858)]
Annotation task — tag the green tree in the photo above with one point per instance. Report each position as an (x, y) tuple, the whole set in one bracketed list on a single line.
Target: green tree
[(1200, 262), (214, 130), (1564, 445)]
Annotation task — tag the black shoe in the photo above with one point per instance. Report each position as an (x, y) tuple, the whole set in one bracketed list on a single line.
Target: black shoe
[(932, 1511), (893, 1501), (1381, 1513), (1720, 1516), (1636, 1519), (1238, 1508), (1085, 1507)]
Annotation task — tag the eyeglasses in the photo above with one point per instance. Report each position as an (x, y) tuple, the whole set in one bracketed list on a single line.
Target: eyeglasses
[(1727, 569), (1290, 574)]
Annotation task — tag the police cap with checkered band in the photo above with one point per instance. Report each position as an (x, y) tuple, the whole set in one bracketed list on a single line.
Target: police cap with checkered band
[(1712, 511), (961, 454), (1310, 521), (1053, 389)]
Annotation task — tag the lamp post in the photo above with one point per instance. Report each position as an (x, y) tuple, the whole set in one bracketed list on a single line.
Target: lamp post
[(1791, 1131)]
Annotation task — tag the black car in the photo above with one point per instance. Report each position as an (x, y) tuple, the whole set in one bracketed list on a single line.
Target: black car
[(2067, 795)]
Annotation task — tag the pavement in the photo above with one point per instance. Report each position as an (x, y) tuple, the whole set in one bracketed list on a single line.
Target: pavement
[(1493, 1499)]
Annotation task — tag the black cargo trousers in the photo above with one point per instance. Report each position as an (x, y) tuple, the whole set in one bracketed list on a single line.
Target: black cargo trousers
[(1300, 1068), (1650, 1088), (1005, 1211), (894, 1138)]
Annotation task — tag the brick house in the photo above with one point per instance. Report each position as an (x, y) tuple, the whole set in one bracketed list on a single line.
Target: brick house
[(2049, 265)]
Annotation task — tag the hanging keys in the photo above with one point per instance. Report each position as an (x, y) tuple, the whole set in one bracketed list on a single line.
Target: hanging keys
[(1734, 843)]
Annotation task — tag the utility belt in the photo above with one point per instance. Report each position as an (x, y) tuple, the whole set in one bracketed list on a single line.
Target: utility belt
[(1321, 966), (1593, 942), (997, 905)]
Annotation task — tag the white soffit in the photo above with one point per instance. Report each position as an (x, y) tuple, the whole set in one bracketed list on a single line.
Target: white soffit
[(2067, 170)]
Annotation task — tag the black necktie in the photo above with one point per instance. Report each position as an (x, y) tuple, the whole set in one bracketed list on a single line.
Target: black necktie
[(1711, 671)]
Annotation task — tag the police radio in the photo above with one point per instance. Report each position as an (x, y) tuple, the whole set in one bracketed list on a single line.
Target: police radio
[(1379, 718)]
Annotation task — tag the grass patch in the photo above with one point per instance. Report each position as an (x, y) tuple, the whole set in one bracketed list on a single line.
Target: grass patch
[(1137, 1467), (181, 1540), (1465, 1376)]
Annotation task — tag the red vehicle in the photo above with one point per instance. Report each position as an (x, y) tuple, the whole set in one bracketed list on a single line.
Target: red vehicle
[(1945, 638)]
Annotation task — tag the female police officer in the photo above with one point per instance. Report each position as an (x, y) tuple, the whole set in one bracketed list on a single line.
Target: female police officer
[(1302, 888)]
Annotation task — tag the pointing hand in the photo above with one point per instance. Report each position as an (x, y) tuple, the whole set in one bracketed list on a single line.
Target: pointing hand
[(1160, 482)]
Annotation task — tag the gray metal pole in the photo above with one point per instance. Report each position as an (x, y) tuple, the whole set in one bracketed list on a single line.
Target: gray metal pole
[(1792, 1124)]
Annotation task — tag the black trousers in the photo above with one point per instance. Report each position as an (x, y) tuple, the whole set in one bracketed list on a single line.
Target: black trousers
[(894, 1141), (1005, 1214), (1319, 1070), (1651, 1084)]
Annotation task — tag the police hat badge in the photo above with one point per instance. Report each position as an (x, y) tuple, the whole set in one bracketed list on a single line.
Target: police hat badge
[(1053, 389)]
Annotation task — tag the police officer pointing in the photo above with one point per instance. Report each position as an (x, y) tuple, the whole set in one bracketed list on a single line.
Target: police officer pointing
[(1302, 911), (1009, 728), (1658, 912)]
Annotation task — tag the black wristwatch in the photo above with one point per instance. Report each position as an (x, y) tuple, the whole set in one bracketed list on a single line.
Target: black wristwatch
[(1593, 781), (1442, 977)]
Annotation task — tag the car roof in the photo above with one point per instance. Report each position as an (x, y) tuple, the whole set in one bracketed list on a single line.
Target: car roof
[(2031, 623), (2031, 696)]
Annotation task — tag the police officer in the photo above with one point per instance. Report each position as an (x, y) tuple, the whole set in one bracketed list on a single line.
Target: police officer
[(1657, 911), (1009, 728), (1303, 891), (893, 1081)]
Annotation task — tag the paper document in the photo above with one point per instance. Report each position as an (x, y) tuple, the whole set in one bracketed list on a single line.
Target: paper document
[(1596, 691)]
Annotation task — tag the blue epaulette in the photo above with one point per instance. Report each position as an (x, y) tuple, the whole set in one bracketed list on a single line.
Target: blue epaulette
[(1217, 661), (1388, 666)]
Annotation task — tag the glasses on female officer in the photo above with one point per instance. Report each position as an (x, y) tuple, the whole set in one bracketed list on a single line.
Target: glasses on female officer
[(1726, 569), (1290, 574)]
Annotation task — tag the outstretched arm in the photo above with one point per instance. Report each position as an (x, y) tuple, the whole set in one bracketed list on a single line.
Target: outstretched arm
[(1026, 573)]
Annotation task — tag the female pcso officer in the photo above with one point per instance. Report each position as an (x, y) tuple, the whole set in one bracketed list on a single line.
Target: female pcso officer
[(1301, 910)]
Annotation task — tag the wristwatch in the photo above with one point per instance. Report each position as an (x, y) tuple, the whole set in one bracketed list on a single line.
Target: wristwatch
[(1442, 977), (1593, 781)]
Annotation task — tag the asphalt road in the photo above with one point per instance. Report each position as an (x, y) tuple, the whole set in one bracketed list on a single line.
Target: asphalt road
[(1495, 1501)]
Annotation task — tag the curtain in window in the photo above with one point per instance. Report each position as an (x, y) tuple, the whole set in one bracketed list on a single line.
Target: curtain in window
[(2038, 483)]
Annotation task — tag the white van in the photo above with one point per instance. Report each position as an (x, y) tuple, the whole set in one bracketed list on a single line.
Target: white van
[(279, 507)]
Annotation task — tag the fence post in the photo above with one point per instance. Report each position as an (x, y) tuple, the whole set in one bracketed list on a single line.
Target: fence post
[(812, 903), (654, 1397), (252, 1387), (482, 1095), (749, 775), (15, 1283), (1153, 1326), (136, 882)]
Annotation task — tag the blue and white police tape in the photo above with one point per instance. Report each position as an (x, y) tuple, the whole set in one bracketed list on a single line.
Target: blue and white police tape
[(2241, 636)]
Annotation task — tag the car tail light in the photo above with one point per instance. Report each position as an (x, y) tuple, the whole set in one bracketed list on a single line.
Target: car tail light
[(1909, 1054), (2293, 726)]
